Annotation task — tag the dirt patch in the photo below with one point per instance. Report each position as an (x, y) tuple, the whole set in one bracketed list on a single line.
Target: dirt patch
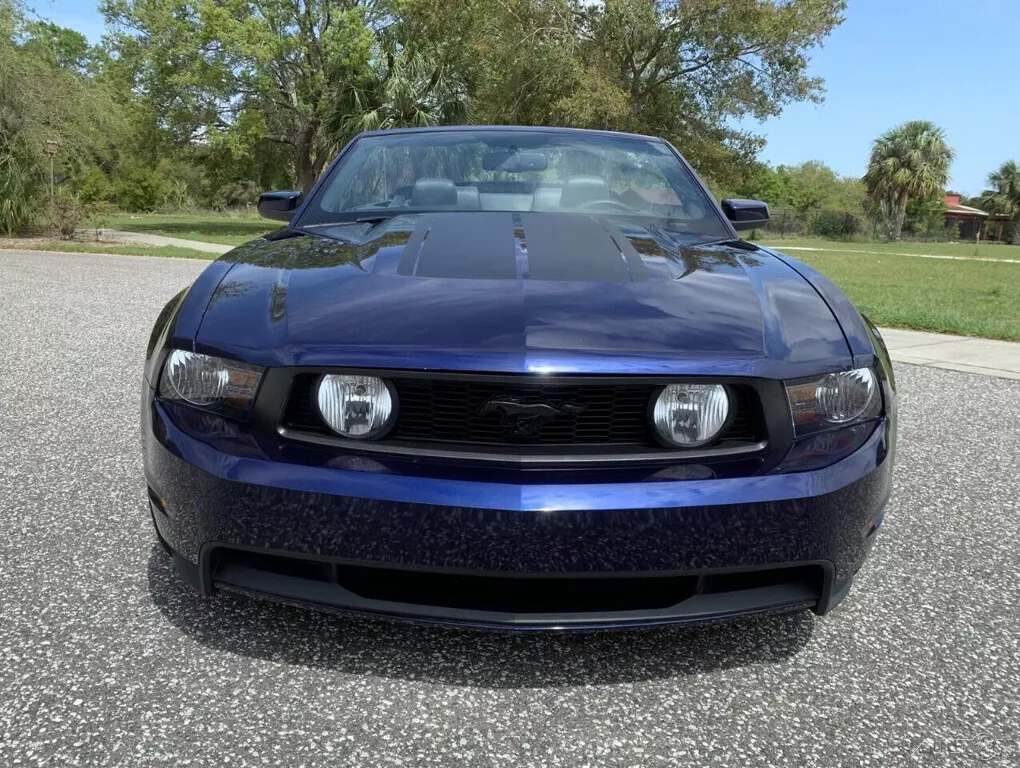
[(34, 243)]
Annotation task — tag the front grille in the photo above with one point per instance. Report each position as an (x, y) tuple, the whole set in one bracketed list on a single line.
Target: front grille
[(544, 597), (450, 411)]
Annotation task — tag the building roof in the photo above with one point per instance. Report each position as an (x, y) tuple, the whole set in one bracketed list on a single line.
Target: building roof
[(965, 211), (955, 210)]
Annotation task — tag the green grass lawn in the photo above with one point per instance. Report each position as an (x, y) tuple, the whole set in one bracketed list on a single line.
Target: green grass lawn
[(118, 250), (984, 250), (229, 229), (971, 298)]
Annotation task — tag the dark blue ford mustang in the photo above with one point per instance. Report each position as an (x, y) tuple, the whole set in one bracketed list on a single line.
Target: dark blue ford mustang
[(517, 377)]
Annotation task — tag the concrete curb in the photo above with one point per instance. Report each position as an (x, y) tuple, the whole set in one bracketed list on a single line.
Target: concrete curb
[(988, 357)]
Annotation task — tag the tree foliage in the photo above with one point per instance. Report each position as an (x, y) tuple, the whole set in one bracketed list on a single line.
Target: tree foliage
[(1004, 196), (680, 70), (45, 95), (806, 188), (309, 73), (243, 73), (908, 162), (407, 89), (209, 101), (926, 216)]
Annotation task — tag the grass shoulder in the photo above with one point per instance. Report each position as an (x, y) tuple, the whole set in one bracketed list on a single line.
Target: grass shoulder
[(904, 248), (969, 298), (225, 228), (64, 246)]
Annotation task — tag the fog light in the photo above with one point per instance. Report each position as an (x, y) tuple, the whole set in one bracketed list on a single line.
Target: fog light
[(689, 415), (358, 407)]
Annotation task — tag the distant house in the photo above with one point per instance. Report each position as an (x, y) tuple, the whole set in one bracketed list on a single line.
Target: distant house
[(973, 221)]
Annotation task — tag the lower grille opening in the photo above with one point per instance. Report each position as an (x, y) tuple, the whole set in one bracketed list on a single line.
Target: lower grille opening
[(810, 576), (519, 594), (296, 567)]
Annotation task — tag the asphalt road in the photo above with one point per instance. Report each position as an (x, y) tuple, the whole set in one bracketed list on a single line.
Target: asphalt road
[(107, 659)]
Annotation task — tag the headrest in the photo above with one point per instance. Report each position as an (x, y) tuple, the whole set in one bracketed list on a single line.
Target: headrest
[(582, 189), (428, 193)]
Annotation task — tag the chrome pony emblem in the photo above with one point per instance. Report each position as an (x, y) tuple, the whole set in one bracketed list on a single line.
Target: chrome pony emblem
[(521, 419)]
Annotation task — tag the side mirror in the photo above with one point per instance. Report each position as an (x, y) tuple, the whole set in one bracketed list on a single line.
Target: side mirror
[(746, 214), (279, 205)]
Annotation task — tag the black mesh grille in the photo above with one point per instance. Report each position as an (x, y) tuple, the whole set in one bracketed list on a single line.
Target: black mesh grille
[(451, 411)]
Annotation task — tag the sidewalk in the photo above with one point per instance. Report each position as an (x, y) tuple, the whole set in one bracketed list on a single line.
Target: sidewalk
[(955, 353), (143, 238)]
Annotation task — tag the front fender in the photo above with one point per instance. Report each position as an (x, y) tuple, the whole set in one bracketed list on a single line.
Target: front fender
[(885, 375), (849, 318), (161, 331), (178, 322)]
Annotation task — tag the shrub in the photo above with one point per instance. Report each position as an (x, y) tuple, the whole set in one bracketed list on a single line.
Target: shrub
[(175, 196), (93, 186), (139, 190), (98, 213), (238, 194), (20, 192), (66, 214), (926, 217), (835, 225), (785, 222)]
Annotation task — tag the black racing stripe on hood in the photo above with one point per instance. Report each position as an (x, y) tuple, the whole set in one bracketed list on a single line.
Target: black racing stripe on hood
[(573, 247), (504, 245), (635, 264), (476, 245)]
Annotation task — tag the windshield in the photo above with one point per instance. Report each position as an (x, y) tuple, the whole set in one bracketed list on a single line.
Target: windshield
[(556, 173)]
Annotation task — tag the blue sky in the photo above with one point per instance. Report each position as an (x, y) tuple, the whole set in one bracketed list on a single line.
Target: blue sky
[(955, 62)]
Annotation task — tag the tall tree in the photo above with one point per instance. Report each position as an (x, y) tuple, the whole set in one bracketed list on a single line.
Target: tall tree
[(1004, 197), (305, 73), (663, 67), (404, 89), (243, 70), (908, 162), (44, 96)]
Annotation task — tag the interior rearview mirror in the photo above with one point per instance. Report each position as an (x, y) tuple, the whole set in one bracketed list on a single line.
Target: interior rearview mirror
[(515, 162)]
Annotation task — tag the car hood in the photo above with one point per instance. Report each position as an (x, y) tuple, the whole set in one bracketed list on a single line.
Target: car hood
[(526, 292)]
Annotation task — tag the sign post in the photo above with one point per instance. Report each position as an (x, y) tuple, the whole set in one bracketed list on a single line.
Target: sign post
[(51, 149)]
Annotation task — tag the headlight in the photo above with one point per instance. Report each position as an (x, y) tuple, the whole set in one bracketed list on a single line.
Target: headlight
[(834, 400), (355, 406), (689, 415), (210, 382)]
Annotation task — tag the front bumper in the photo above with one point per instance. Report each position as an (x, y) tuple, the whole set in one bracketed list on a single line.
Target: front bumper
[(487, 553)]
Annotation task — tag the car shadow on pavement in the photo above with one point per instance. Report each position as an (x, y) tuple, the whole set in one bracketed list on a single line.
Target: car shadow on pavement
[(266, 630)]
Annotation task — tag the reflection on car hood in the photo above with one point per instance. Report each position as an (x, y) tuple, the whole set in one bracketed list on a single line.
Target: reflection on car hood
[(519, 292)]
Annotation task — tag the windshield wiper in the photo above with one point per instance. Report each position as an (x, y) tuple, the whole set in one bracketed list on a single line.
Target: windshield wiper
[(337, 230), (375, 219)]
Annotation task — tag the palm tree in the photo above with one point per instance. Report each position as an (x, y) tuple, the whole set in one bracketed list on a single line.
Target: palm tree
[(908, 162), (1004, 197), (408, 89)]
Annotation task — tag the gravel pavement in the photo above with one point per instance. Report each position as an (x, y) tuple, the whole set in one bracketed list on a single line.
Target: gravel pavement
[(107, 659)]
